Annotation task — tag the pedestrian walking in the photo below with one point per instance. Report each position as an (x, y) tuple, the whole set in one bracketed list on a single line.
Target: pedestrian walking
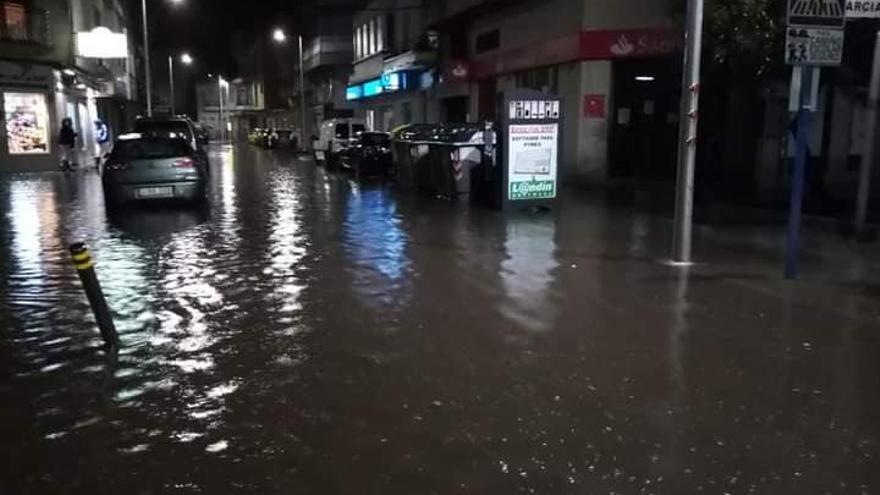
[(67, 144), (102, 138)]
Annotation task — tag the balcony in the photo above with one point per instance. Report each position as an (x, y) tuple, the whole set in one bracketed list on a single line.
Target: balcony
[(328, 50), (24, 26)]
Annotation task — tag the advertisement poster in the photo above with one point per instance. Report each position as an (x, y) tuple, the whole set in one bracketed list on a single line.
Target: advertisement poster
[(533, 161), (27, 123)]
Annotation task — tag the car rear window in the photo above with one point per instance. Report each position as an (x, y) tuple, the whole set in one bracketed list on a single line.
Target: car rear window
[(164, 129), (358, 128), (342, 131), (370, 139), (145, 149)]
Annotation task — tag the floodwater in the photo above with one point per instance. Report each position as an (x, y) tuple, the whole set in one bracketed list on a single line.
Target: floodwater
[(306, 334)]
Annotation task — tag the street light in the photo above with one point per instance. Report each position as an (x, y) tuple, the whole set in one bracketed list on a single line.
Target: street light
[(147, 78), (221, 84), (280, 37), (185, 59)]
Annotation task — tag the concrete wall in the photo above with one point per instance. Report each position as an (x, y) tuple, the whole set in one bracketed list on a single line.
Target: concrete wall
[(625, 14), (530, 22)]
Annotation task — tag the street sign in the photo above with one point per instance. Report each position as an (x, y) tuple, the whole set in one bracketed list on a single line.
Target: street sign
[(824, 13), (813, 46), (863, 9)]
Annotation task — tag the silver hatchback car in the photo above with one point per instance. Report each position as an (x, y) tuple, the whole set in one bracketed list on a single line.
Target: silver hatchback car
[(149, 167)]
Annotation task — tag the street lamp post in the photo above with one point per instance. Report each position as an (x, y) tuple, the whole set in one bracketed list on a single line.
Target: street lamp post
[(148, 79), (302, 95), (185, 59), (220, 120), (281, 37)]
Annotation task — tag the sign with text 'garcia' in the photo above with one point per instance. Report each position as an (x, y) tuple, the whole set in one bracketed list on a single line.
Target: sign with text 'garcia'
[(863, 9)]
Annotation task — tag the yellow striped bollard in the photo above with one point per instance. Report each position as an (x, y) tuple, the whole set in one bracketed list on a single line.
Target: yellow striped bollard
[(85, 266)]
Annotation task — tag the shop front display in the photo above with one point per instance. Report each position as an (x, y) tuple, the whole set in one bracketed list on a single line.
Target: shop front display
[(26, 116)]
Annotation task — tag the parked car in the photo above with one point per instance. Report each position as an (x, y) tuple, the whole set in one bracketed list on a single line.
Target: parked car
[(154, 167), (256, 136), (203, 133), (280, 138), (334, 136), (179, 127), (369, 156)]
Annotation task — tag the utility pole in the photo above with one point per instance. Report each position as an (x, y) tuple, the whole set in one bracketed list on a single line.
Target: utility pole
[(302, 92), (220, 107), (147, 78), (688, 126), (870, 151), (171, 82)]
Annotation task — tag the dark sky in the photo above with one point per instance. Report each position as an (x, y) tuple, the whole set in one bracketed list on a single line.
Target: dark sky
[(204, 27)]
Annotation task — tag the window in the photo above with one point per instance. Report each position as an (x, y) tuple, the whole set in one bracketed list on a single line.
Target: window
[(380, 34), (13, 22), (545, 79), (150, 148), (488, 41), (372, 35), (27, 123), (357, 43)]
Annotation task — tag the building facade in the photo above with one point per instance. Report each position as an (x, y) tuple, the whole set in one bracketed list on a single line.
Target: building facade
[(46, 76), (614, 63), (394, 69), (327, 60), (231, 109)]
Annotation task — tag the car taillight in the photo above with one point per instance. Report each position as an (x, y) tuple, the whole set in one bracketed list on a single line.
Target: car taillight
[(185, 163)]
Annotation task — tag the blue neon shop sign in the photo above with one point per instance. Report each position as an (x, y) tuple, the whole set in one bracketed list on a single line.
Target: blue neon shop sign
[(388, 83)]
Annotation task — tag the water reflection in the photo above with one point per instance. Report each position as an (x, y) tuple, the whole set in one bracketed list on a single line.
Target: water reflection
[(376, 246), (527, 273), (287, 247)]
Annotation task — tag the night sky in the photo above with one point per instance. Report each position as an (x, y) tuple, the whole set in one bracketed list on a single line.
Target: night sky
[(204, 28)]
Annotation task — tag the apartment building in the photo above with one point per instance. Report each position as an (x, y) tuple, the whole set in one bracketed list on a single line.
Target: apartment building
[(394, 67)]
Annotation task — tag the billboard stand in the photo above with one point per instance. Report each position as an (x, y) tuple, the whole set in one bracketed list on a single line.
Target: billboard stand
[(530, 146)]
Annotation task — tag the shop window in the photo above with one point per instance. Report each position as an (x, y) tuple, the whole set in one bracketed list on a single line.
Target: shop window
[(13, 23), (27, 123), (544, 79), (488, 41)]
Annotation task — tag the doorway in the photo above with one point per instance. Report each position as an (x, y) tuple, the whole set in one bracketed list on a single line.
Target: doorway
[(644, 138), (488, 97)]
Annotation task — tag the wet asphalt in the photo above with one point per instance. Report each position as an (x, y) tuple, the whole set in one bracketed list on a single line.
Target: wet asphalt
[(308, 334)]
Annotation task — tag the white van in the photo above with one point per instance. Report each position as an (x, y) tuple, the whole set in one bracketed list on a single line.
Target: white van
[(336, 135)]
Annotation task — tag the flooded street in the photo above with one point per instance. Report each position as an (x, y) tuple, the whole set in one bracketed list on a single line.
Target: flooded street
[(306, 334)]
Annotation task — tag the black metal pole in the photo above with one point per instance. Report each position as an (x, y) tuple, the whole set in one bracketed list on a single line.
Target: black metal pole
[(85, 266)]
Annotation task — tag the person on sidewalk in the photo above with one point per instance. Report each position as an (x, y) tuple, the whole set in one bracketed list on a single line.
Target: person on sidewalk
[(67, 143)]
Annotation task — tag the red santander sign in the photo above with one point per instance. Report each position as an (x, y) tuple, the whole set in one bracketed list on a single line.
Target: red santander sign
[(628, 43)]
